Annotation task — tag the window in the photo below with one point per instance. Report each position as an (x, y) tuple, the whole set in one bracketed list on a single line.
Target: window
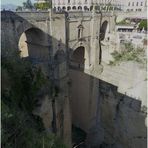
[(68, 8), (79, 8), (137, 4), (139, 9), (141, 3), (79, 33), (68, 1), (85, 8), (74, 7), (129, 4), (132, 3), (64, 8)]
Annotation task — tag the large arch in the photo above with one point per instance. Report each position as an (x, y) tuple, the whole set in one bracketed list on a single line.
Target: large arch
[(79, 89), (103, 30), (86, 52), (34, 46), (77, 59)]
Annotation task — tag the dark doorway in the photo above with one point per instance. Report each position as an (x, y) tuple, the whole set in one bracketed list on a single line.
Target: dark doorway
[(103, 30)]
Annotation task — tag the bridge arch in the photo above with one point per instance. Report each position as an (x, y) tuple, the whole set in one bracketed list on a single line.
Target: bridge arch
[(85, 46), (79, 88), (33, 44), (77, 59)]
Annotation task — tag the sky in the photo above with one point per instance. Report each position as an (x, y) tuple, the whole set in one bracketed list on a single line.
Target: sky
[(15, 2)]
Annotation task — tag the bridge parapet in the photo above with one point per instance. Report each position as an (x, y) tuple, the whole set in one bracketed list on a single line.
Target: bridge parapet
[(28, 15)]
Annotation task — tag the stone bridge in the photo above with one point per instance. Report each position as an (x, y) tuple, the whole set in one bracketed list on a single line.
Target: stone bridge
[(69, 48)]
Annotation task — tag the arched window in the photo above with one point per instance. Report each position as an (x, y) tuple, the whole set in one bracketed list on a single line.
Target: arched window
[(68, 8), (80, 31), (64, 8), (91, 8), (74, 8), (79, 8), (59, 8), (85, 8)]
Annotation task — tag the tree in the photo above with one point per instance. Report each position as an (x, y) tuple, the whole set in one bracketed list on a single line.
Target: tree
[(43, 6), (143, 24), (27, 5), (19, 8), (20, 84)]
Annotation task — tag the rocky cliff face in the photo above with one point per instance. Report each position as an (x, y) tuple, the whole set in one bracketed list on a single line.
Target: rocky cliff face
[(122, 119)]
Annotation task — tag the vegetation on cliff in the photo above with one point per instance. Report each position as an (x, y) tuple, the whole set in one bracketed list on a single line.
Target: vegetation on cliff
[(20, 84), (143, 25), (129, 54), (43, 6)]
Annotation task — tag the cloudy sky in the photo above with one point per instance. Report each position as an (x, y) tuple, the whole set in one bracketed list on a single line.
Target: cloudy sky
[(15, 2)]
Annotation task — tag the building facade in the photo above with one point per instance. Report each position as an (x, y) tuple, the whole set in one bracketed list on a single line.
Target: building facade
[(84, 5), (134, 5)]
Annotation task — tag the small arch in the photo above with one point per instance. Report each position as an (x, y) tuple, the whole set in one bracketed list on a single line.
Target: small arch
[(91, 8), (86, 8), (74, 8), (59, 8), (68, 8), (64, 8), (79, 8), (103, 30)]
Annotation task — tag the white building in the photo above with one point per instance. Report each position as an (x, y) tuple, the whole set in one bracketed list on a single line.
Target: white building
[(84, 5), (134, 5)]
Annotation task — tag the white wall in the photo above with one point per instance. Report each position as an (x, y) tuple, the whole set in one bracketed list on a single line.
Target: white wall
[(134, 5), (81, 3)]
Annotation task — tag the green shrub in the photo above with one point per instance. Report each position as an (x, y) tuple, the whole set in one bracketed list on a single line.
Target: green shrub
[(143, 24), (20, 84), (43, 6), (129, 54)]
